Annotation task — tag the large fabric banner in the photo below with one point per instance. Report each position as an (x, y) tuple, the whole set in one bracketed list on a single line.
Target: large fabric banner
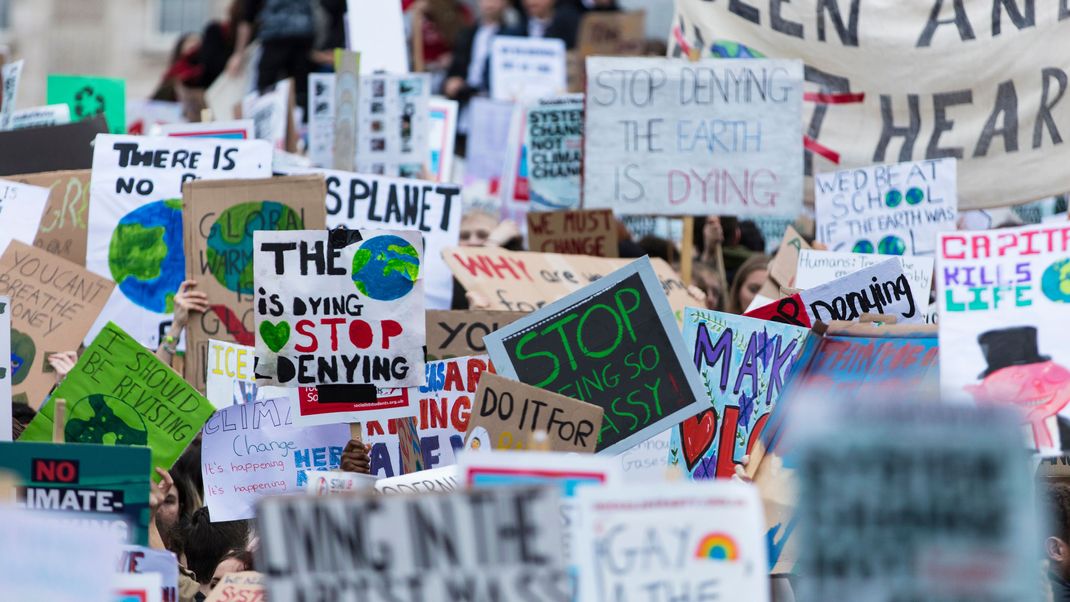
[(890, 82)]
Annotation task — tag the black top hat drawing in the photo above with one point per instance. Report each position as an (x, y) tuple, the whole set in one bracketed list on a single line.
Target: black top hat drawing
[(1009, 347)]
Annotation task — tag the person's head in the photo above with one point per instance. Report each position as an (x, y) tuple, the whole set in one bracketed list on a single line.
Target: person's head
[(188, 466), (539, 9), (178, 505), (706, 278), (476, 227), (492, 11), (1057, 542), (21, 415), (748, 281), (657, 247), (750, 236), (206, 543), (234, 561)]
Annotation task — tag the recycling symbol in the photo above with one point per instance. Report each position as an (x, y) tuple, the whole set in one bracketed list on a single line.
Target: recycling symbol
[(88, 103)]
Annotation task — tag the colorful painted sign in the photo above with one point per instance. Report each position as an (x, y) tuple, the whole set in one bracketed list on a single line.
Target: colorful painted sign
[(63, 226), (89, 96), (554, 141)]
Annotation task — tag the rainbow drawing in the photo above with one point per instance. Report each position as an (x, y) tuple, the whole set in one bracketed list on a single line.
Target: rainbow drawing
[(717, 546)]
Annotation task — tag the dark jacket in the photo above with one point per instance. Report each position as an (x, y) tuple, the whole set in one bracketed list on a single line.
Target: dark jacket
[(565, 25), (462, 58), (1060, 589)]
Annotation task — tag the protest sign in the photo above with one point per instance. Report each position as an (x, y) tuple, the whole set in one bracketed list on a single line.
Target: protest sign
[(460, 332), (270, 113), (655, 106), (1000, 292), (143, 560), (434, 548), (358, 201), (709, 537), (11, 73), (321, 119), (636, 368), (104, 486), (31, 543), (578, 232), (611, 34), (366, 281), (889, 209), (510, 412), (145, 117), (52, 148), (554, 141), (120, 394), (520, 281), (442, 133), (487, 136), (229, 376), (6, 372), (254, 450), (63, 226), (393, 124), (89, 96), (648, 461), (218, 221), (821, 267), (245, 586), (330, 482), (135, 232), (445, 406), (235, 129), (526, 69), (44, 116), (880, 289), (132, 587), (344, 132), (964, 528), (21, 209), (426, 481), (376, 30), (745, 365), (873, 104), (53, 304), (514, 190), (784, 264), (322, 405)]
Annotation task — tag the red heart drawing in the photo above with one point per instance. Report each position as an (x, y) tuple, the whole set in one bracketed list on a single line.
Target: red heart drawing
[(697, 433)]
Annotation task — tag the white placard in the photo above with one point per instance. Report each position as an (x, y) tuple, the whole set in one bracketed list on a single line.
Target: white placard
[(321, 119), (235, 129), (21, 209), (392, 124), (435, 480), (229, 376), (37, 117), (5, 369), (331, 482), (11, 73), (526, 69), (269, 113), (376, 29), (442, 134), (821, 267)]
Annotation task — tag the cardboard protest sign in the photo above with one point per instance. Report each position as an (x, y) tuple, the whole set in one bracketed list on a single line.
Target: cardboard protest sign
[(141, 560), (106, 486), (44, 116), (6, 373), (460, 332), (245, 586), (880, 107), (426, 481), (509, 412), (611, 34), (53, 304), (229, 374), (579, 232), (346, 109), (526, 69), (254, 450), (234, 129), (270, 113), (89, 96), (40, 149), (309, 283), (784, 264), (444, 409), (745, 365), (218, 221), (63, 226), (881, 289), (31, 572), (132, 587), (1000, 292), (358, 201), (331, 482), (441, 136), (710, 537), (821, 267), (321, 119), (376, 30), (612, 343), (520, 281), (657, 107), (120, 394), (135, 234), (889, 209), (554, 140), (432, 548), (11, 73), (21, 209), (393, 124), (966, 530)]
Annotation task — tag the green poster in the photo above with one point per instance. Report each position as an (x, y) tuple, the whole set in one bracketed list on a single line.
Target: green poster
[(89, 96), (107, 486), (120, 394)]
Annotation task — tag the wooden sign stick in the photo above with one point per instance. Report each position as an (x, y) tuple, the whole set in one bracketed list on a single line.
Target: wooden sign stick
[(59, 420), (687, 249)]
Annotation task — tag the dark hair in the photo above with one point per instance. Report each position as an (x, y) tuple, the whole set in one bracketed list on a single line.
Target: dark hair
[(241, 555), (750, 236), (206, 543), (188, 466), (21, 415), (1058, 499), (656, 246)]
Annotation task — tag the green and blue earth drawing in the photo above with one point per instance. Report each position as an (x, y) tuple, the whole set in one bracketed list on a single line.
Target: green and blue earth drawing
[(1055, 282), (146, 256), (23, 351), (106, 420), (230, 240), (385, 268)]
